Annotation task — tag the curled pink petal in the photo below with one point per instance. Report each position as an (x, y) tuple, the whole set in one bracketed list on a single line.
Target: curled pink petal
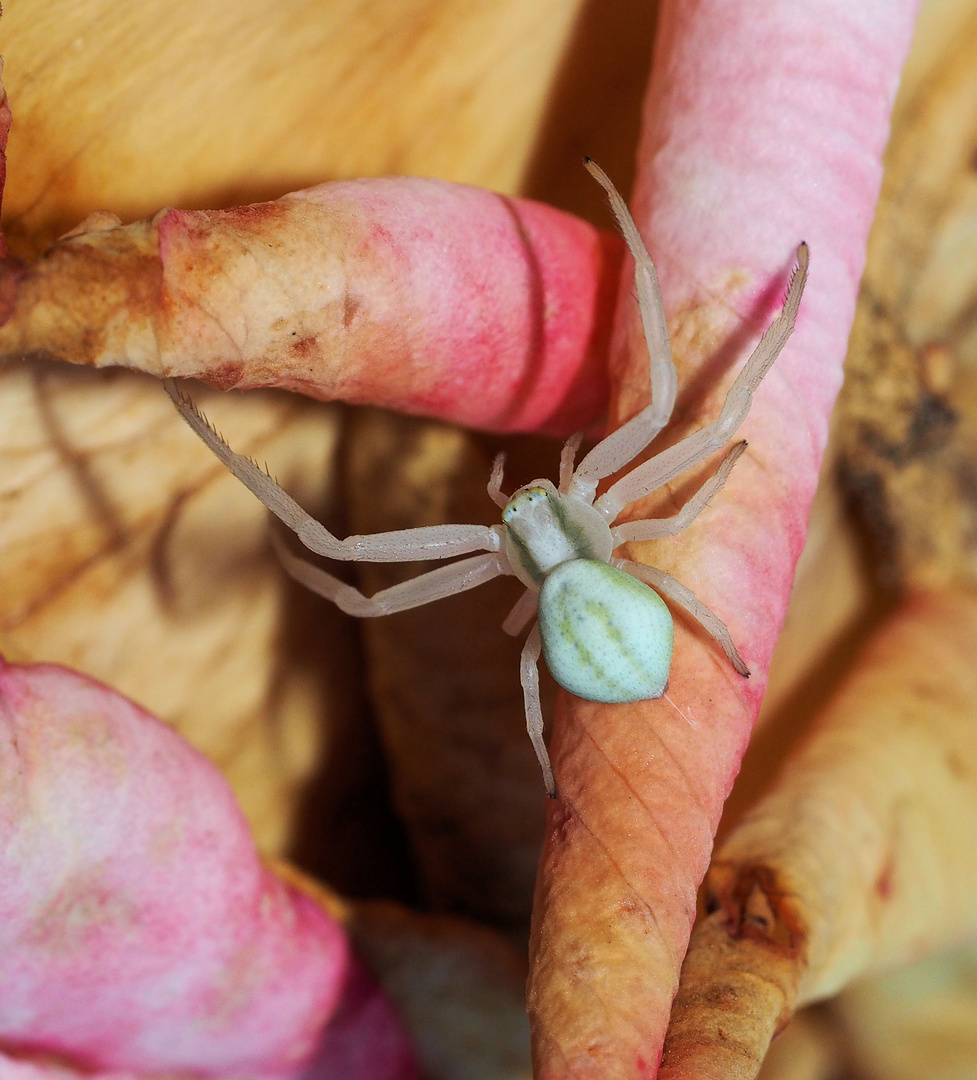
[(139, 930), (764, 126), (420, 295)]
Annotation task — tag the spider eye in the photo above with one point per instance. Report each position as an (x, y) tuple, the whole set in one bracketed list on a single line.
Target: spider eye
[(523, 500)]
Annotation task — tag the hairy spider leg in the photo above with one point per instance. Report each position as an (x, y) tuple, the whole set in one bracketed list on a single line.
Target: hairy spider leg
[(700, 444), (624, 444), (436, 584), (523, 611), (405, 545), (686, 598), (529, 677), (654, 528)]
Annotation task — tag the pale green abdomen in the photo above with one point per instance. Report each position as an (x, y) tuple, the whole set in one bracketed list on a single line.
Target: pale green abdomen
[(606, 636)]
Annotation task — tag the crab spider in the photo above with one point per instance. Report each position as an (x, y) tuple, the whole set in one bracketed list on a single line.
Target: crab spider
[(606, 636)]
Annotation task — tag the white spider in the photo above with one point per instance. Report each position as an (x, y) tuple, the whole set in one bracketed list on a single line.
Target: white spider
[(605, 635)]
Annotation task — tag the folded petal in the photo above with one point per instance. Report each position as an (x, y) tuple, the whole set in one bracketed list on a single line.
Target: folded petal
[(419, 295), (139, 929), (860, 860), (762, 128)]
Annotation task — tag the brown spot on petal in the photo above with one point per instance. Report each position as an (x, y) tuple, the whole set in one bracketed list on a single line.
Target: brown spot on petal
[(351, 307), (884, 883), (303, 346), (756, 908), (225, 376), (957, 766)]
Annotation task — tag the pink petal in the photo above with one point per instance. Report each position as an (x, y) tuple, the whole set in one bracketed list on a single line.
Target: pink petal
[(139, 930), (764, 125), (420, 295)]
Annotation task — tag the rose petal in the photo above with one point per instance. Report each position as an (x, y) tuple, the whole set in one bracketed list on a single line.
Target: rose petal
[(138, 928), (763, 127), (407, 293)]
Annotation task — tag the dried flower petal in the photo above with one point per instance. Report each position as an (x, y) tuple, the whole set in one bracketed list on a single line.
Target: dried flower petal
[(139, 929)]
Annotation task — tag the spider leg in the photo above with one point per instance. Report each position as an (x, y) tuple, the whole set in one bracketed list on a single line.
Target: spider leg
[(653, 528), (630, 439), (529, 677), (405, 545), (522, 611), (434, 585), (687, 599), (700, 444)]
